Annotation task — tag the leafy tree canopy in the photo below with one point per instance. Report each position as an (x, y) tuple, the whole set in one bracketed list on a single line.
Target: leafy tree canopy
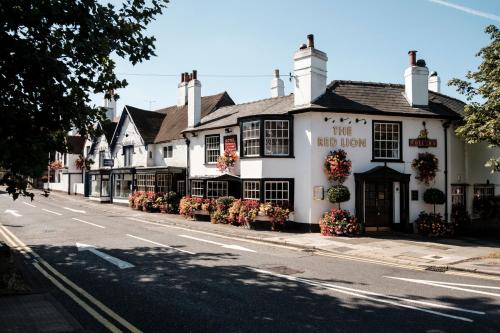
[(482, 119), (54, 54)]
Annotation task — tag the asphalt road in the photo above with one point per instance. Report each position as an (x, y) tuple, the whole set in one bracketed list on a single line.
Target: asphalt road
[(134, 275)]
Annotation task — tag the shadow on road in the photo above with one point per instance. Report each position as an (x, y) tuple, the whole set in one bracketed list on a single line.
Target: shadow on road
[(170, 291)]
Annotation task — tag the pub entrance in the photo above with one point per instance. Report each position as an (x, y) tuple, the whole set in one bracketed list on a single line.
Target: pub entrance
[(382, 199)]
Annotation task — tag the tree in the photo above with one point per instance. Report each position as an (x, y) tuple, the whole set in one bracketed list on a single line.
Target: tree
[(482, 119), (54, 55)]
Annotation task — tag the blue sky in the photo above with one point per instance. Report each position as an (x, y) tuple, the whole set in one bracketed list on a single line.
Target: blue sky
[(364, 40)]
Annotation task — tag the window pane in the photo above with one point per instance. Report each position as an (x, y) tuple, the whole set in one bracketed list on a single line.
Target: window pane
[(277, 192), (197, 188), (216, 189), (251, 189), (386, 140), (250, 133), (212, 148), (276, 137)]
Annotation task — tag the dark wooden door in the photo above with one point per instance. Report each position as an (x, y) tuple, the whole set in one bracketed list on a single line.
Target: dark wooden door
[(378, 204)]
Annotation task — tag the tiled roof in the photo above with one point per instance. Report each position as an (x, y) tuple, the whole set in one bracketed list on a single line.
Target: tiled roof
[(228, 116), (148, 123), (75, 144), (176, 117), (384, 98), (341, 96)]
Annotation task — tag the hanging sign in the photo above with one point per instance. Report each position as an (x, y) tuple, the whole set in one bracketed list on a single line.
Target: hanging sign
[(231, 143), (108, 162), (423, 140)]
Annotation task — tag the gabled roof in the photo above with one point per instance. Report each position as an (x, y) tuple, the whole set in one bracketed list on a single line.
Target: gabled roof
[(176, 117), (148, 123), (75, 144), (343, 97), (108, 128)]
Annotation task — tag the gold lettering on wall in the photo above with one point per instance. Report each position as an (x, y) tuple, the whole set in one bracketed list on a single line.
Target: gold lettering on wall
[(345, 141)]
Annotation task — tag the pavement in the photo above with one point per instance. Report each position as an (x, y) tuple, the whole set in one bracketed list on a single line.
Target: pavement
[(111, 268), (461, 253)]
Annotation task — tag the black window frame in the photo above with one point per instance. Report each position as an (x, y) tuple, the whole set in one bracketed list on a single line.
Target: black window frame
[(168, 150), (393, 160), (262, 152), (291, 188), (211, 136), (102, 155)]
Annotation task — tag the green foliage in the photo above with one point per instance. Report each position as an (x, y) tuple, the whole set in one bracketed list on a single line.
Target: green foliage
[(482, 119), (434, 196), (338, 193), (54, 55)]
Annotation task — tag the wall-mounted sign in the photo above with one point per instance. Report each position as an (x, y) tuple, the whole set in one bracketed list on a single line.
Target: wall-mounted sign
[(342, 137), (318, 193), (231, 142), (109, 162), (423, 140)]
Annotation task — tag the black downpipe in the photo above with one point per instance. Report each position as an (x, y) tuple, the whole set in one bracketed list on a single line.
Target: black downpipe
[(445, 128), (188, 166)]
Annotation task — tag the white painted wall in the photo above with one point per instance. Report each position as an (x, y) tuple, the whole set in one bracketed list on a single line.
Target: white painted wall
[(129, 135), (179, 157), (197, 153)]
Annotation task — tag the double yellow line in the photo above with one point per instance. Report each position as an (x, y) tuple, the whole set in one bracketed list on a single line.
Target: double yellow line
[(80, 296)]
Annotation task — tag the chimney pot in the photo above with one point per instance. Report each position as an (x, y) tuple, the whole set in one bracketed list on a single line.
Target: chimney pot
[(310, 41), (413, 57), (276, 73), (195, 74), (183, 79)]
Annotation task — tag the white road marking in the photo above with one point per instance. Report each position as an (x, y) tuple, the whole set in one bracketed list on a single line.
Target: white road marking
[(465, 285), (227, 246), (160, 244), (75, 210), (50, 211), (442, 285), (359, 293), (12, 212), (28, 204), (95, 225), (115, 261), (76, 288)]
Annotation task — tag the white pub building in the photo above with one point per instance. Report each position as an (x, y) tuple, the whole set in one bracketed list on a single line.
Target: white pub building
[(282, 143)]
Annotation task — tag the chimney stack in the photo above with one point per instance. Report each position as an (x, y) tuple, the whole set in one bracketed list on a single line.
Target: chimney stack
[(277, 85), (110, 105), (416, 85), (435, 82), (194, 100), (182, 91), (310, 73)]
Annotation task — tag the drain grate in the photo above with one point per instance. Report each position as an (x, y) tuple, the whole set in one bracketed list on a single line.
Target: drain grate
[(440, 269)]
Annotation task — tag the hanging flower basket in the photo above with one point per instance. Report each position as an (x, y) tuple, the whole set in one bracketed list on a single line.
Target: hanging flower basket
[(227, 160), (426, 166), (337, 167), (56, 165), (338, 194), (83, 163)]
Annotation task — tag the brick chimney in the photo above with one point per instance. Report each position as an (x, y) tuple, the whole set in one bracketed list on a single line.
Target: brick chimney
[(182, 91), (194, 100), (435, 82), (310, 73), (277, 85), (416, 85)]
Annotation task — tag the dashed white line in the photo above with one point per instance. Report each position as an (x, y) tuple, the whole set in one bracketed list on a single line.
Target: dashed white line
[(360, 294), (160, 244), (75, 210), (227, 246), (28, 204), (95, 225), (442, 285), (50, 211)]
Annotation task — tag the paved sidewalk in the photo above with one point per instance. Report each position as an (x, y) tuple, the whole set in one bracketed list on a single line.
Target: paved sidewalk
[(467, 254)]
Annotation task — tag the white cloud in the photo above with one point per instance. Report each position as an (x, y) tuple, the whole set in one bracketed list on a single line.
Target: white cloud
[(468, 10)]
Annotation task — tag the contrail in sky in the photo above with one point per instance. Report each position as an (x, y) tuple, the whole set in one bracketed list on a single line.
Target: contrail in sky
[(468, 10)]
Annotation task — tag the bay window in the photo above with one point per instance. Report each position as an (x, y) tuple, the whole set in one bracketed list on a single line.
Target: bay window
[(276, 138), (277, 192)]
